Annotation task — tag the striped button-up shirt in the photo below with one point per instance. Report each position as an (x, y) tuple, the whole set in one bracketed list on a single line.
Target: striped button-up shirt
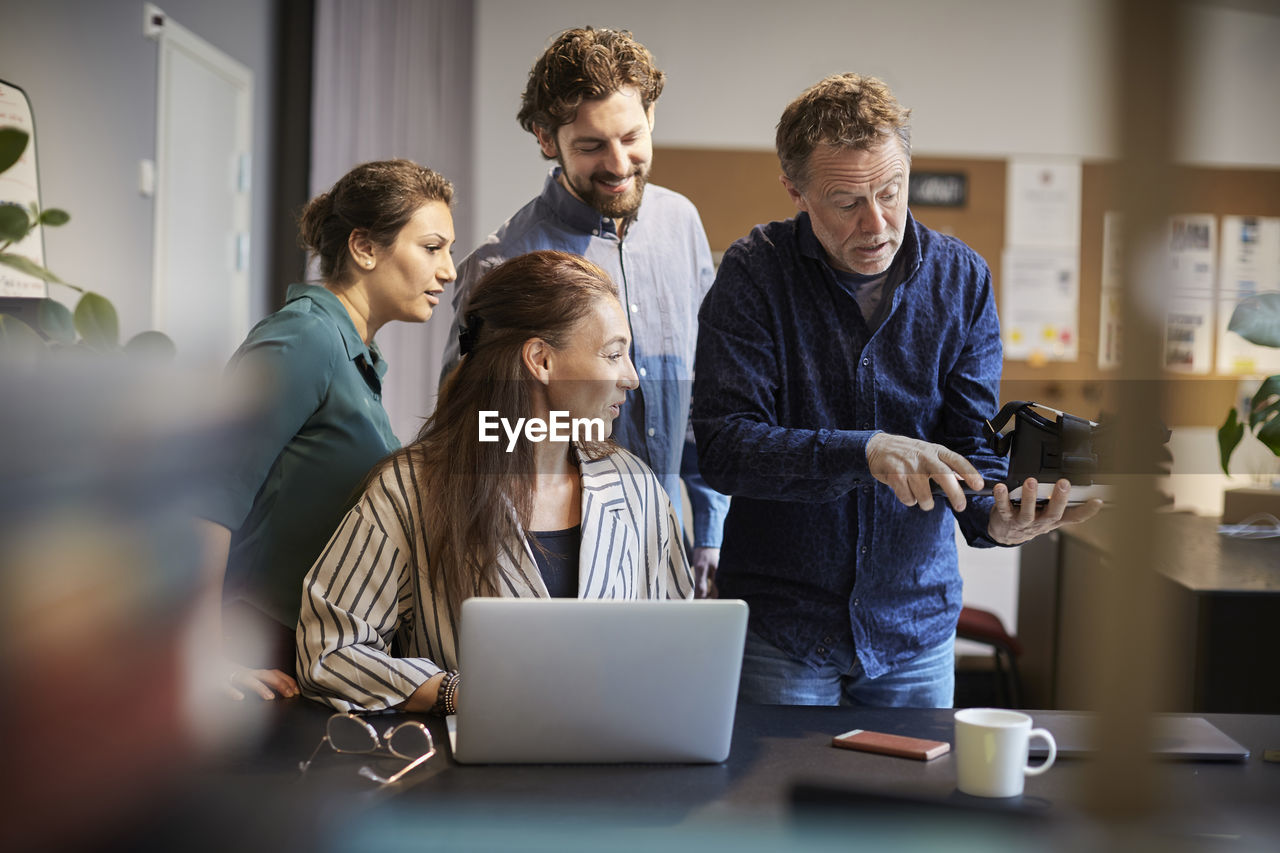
[(370, 584)]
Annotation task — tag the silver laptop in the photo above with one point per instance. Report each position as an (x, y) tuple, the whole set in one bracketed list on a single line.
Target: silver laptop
[(587, 682), (1173, 736)]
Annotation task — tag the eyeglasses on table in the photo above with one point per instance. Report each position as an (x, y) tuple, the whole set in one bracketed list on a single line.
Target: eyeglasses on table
[(348, 733)]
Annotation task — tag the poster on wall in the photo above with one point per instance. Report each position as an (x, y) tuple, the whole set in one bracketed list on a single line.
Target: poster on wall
[(1109, 310), (1040, 287), (1250, 265), (1190, 267), (1039, 303), (19, 185), (1043, 204)]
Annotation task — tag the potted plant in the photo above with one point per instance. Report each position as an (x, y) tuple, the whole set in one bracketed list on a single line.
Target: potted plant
[(1257, 320), (94, 325)]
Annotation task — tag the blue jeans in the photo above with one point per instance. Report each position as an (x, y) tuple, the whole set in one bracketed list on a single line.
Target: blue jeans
[(772, 677)]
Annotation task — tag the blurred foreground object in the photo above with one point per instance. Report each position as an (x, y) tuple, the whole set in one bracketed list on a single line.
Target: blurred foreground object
[(102, 464)]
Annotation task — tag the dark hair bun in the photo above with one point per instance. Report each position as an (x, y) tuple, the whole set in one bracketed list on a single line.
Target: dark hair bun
[(378, 198)]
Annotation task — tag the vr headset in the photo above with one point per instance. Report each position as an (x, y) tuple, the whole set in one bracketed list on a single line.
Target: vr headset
[(1050, 445), (1039, 447)]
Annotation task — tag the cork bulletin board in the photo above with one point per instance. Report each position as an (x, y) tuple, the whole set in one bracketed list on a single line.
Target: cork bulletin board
[(737, 189)]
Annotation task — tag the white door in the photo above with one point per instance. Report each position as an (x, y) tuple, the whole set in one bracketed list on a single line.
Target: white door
[(204, 115)]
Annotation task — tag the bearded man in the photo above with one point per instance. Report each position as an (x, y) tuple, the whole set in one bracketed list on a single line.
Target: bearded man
[(589, 102)]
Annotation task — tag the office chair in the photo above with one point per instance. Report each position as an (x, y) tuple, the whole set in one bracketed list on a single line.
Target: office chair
[(983, 626)]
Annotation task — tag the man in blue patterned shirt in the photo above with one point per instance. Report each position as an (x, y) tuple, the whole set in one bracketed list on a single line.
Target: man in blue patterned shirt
[(589, 102), (847, 360)]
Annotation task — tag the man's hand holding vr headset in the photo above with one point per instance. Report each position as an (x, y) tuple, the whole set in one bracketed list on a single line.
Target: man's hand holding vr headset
[(1062, 451)]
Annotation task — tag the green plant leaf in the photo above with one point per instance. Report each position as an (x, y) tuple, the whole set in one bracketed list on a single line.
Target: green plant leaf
[(12, 143), (1266, 400), (17, 338), (1269, 434), (31, 268), (97, 323), (54, 216), (1264, 414), (1257, 319), (55, 321), (14, 223), (1229, 435), (153, 346)]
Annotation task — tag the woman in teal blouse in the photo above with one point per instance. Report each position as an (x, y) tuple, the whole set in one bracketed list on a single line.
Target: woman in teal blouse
[(382, 236)]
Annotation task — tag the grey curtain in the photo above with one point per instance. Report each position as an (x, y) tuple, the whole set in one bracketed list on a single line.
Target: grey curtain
[(392, 78)]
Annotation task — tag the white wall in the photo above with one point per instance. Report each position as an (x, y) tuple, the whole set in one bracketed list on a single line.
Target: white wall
[(983, 77), (1233, 85), (91, 78)]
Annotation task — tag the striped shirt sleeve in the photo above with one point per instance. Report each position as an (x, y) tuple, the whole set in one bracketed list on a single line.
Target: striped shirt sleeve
[(356, 596), (680, 575), (662, 563)]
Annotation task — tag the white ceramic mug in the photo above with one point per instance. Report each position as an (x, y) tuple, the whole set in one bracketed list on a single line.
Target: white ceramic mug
[(991, 751)]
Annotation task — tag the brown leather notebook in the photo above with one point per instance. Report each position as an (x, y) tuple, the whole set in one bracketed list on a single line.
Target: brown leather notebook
[(896, 745)]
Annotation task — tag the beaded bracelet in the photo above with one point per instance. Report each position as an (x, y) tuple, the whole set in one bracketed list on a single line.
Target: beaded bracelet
[(448, 690)]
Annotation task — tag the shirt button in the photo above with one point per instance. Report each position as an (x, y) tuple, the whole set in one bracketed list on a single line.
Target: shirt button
[(652, 431), (821, 650), (865, 362), (855, 602), (644, 372), (634, 308), (828, 640), (863, 549)]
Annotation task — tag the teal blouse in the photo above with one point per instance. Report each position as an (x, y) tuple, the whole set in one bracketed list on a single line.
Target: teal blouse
[(322, 428)]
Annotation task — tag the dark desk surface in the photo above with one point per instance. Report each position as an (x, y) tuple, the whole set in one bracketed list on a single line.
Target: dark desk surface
[(781, 759), (1221, 621), (1198, 557)]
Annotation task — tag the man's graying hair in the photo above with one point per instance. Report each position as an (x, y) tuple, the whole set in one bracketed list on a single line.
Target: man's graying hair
[(843, 110)]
